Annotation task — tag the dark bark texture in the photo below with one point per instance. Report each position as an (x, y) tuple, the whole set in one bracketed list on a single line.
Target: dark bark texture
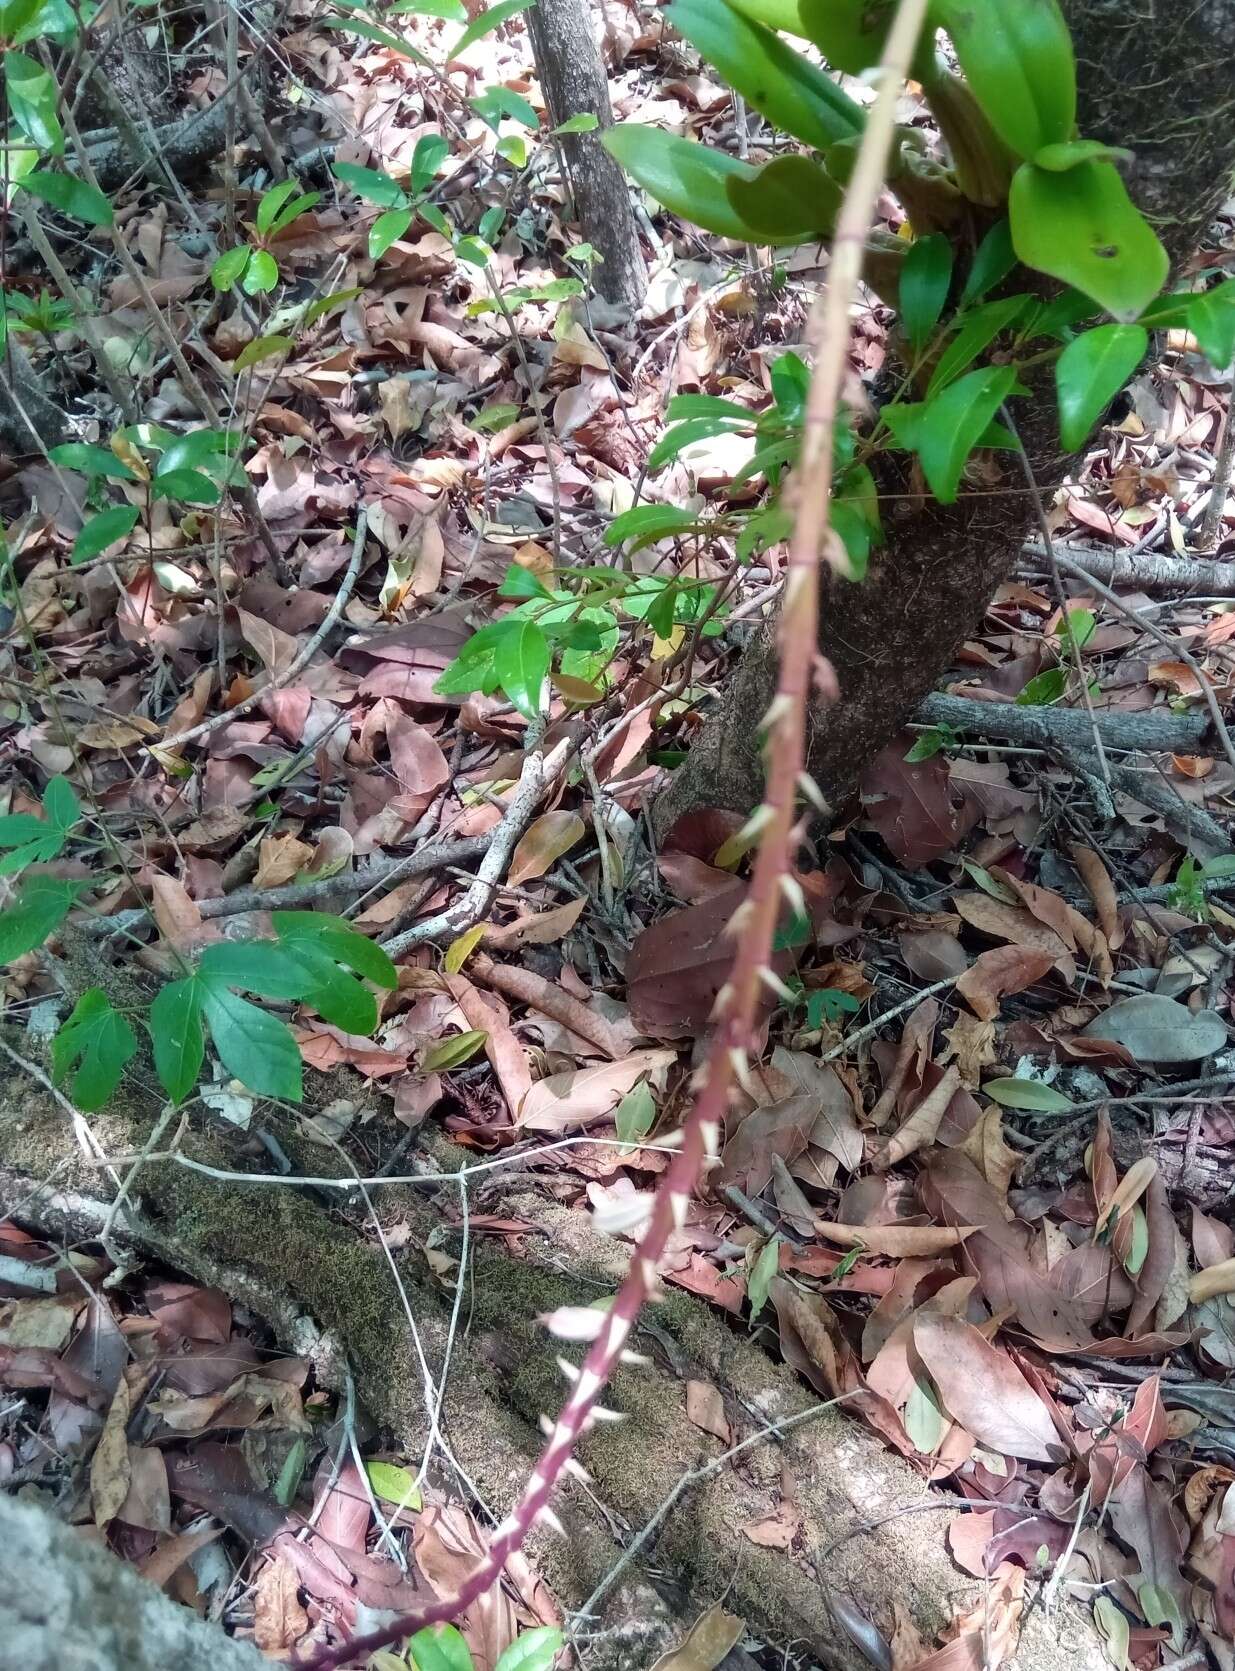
[(572, 77), (1155, 77)]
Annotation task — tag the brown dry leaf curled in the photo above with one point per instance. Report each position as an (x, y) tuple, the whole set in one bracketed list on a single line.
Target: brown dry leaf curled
[(922, 1126), (1003, 970)]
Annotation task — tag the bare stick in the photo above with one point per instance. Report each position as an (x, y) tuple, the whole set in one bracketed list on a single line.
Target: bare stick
[(802, 675)]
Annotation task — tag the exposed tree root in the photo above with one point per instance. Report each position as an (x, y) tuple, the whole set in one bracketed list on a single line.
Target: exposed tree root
[(327, 1290)]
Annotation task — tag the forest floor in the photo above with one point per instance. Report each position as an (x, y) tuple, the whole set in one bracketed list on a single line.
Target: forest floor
[(285, 1357)]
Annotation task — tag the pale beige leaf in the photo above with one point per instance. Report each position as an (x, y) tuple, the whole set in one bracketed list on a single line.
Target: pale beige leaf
[(566, 1101), (981, 1388), (109, 1467), (708, 1642), (279, 1621), (276, 648), (280, 860), (922, 1126), (705, 1406), (1214, 1279), (896, 1241)]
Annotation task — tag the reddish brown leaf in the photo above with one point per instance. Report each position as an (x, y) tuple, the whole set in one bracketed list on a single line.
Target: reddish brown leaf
[(995, 974), (543, 844), (913, 806), (981, 1388)]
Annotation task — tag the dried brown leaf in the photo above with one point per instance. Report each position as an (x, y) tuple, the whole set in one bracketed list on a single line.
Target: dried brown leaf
[(981, 1388), (1002, 970)]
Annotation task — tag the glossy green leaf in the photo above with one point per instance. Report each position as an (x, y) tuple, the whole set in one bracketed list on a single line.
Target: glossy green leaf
[(229, 266), (499, 102), (1044, 689), (256, 965), (1059, 158), (687, 178), (33, 96), (789, 199), (440, 1647), (535, 1650), (430, 153), (92, 1049), (271, 202), (337, 997), (485, 23), (678, 437), (512, 148), (453, 1052), (322, 306), (925, 279), (585, 122), (1027, 1093), (373, 184), (708, 406), (1090, 373), (71, 196), (977, 330), (104, 530), (41, 905), (176, 1034), (261, 274), (1018, 60), (522, 583), (954, 422), (189, 486), (521, 663), (61, 804), (794, 94), (1083, 229), (389, 226), (1211, 319), (262, 348), (92, 461), (374, 32), (254, 1046), (293, 210), (454, 11), (765, 1267), (785, 15), (340, 941), (394, 1484), (198, 449), (850, 33), (993, 260), (650, 522)]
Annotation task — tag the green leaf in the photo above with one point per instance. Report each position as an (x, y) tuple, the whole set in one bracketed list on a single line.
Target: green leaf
[(1027, 1093), (340, 941), (229, 266), (851, 33), (1077, 627), (765, 1267), (61, 804), (453, 1052), (522, 583), (71, 196), (31, 840), (829, 1003), (1090, 373), (189, 486), (1046, 688), (93, 461), (41, 905), (924, 282), (261, 274), (373, 32), (687, 178), (635, 1115), (1018, 60), (176, 1034), (271, 202), (33, 96), (649, 522), (430, 153), (394, 1484), (441, 1648), (953, 424), (316, 310), (104, 530), (1083, 229), (1161, 1608), (198, 448), (794, 94), (338, 998), (790, 379), (485, 23), (708, 406), (993, 260), (254, 1046), (584, 122), (389, 226), (977, 330), (534, 1650), (454, 11), (1211, 319), (521, 663), (498, 102), (292, 211), (513, 148), (925, 1422), (788, 200), (101, 1044), (256, 965), (676, 439), (373, 184)]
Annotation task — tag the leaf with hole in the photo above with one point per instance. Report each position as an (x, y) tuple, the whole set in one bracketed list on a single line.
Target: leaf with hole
[(1083, 229), (103, 530), (687, 178), (1019, 63), (791, 92), (924, 283), (1090, 373), (71, 196), (954, 422), (92, 1049)]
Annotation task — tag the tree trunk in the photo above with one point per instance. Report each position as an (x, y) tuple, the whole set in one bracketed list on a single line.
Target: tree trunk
[(573, 80), (892, 637)]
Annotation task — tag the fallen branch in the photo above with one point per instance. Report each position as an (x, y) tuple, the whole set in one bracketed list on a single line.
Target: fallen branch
[(1156, 731), (1148, 571)]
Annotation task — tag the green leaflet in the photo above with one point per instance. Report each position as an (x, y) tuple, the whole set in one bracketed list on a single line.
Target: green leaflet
[(1090, 373), (790, 199), (1082, 227), (688, 179), (1017, 58), (92, 1049), (954, 422)]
